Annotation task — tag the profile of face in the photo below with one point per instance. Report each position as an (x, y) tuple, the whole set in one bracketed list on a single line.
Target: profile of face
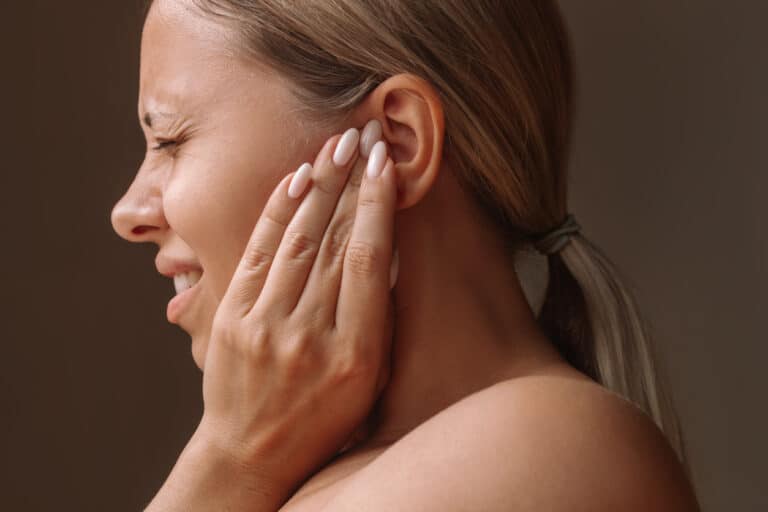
[(221, 133)]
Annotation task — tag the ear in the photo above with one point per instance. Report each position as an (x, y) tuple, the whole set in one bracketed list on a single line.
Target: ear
[(411, 115)]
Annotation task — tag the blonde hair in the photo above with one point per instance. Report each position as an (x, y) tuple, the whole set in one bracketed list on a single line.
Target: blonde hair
[(503, 71)]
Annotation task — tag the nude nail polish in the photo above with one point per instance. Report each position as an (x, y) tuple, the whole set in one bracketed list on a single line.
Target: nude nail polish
[(346, 147), (300, 180), (370, 135), (377, 160)]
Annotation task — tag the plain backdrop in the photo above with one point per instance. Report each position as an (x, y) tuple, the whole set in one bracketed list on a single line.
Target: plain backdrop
[(99, 393)]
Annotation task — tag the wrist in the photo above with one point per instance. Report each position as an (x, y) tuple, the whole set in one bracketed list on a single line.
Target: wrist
[(208, 477)]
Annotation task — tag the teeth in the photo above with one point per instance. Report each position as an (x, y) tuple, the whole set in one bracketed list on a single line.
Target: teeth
[(186, 280)]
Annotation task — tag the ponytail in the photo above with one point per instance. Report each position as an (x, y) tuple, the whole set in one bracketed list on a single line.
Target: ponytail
[(593, 320)]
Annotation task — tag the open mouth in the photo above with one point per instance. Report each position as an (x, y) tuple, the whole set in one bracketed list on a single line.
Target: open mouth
[(186, 288), (186, 280)]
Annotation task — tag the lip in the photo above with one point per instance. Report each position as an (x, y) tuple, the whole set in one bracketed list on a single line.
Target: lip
[(180, 302), (169, 267)]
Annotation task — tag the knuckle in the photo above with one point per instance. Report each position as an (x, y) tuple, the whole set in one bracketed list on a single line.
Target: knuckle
[(369, 201), (362, 259), (299, 246), (297, 354), (238, 300), (271, 216), (325, 187), (258, 350), (257, 259), (352, 367), (253, 345), (337, 238)]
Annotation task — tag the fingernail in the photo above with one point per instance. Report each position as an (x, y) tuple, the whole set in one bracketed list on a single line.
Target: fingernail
[(394, 269), (300, 180), (377, 160), (346, 147), (371, 134)]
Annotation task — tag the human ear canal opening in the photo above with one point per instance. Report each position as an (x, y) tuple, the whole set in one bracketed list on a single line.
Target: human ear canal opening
[(401, 113)]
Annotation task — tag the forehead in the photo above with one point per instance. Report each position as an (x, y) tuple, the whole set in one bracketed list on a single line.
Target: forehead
[(184, 58)]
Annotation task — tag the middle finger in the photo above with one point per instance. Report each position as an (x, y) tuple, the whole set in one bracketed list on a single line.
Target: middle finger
[(301, 241), (321, 290)]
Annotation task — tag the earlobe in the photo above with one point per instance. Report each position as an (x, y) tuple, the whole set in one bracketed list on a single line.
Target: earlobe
[(411, 115)]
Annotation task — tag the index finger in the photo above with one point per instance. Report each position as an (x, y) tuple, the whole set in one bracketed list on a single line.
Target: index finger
[(365, 280), (251, 272)]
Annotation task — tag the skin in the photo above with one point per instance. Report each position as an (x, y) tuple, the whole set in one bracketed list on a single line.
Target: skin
[(238, 136)]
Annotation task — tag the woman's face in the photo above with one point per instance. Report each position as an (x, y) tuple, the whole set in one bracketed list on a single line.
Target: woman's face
[(221, 134)]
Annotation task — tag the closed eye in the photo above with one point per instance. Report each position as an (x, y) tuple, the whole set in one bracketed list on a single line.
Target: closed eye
[(163, 144)]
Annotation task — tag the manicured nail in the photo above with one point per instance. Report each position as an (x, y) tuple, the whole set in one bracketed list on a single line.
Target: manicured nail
[(346, 147), (394, 269), (300, 180), (370, 136), (377, 160)]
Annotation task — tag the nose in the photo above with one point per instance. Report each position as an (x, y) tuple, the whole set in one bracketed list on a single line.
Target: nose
[(138, 216)]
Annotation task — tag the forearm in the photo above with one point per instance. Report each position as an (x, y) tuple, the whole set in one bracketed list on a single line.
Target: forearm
[(205, 479)]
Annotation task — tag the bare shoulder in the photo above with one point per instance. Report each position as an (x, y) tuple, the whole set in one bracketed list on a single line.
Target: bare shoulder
[(527, 444)]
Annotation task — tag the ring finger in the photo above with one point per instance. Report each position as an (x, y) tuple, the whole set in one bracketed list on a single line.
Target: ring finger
[(303, 236)]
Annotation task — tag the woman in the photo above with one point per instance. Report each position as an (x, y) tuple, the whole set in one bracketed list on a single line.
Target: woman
[(439, 128)]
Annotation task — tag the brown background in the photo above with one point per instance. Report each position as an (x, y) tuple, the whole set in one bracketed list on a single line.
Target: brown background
[(99, 393)]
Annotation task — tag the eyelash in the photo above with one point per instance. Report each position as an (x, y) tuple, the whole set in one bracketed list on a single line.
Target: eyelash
[(164, 144)]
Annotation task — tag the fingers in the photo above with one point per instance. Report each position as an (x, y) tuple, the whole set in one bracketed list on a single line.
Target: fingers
[(324, 279), (365, 282), (303, 236), (253, 268)]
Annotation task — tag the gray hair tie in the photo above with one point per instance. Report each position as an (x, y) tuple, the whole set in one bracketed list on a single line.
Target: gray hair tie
[(554, 240)]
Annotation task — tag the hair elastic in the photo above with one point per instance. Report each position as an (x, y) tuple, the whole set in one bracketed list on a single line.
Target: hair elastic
[(557, 238)]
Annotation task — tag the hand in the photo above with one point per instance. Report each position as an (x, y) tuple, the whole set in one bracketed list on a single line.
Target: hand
[(300, 342)]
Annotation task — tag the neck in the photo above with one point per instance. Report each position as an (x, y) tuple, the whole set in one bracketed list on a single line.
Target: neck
[(462, 322)]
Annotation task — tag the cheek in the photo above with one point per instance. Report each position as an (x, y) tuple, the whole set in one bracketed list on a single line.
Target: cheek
[(214, 208)]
